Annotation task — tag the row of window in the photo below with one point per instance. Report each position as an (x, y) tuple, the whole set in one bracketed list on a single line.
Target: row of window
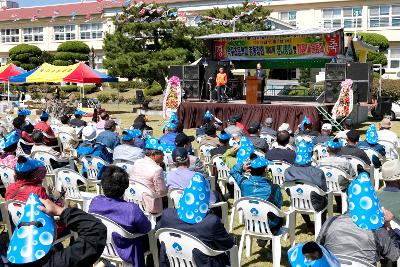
[(61, 33), (351, 17)]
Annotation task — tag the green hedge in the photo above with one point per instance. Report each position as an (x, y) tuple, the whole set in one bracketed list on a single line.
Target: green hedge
[(153, 90), (74, 46), (129, 85), (389, 88), (71, 56), (375, 39)]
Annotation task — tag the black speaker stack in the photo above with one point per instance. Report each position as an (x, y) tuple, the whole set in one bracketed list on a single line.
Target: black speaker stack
[(359, 73), (192, 78)]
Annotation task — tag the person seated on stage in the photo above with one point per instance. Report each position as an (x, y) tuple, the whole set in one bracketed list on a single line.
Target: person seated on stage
[(104, 116), (20, 127), (302, 171), (385, 134), (371, 141), (223, 144), (169, 134), (352, 150), (364, 232), (258, 185), (114, 182), (326, 131), (50, 139), (149, 172), (267, 128), (109, 137), (232, 128), (281, 151), (306, 128), (77, 121), (182, 140), (348, 125), (89, 147), (210, 139), (128, 150), (66, 128), (196, 219), (258, 142), (389, 196), (240, 125), (9, 145), (40, 145)]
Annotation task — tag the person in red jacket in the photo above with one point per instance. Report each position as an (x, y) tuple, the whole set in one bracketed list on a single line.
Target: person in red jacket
[(240, 125), (50, 138)]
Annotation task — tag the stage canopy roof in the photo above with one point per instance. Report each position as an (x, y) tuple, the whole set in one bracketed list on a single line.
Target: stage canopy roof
[(8, 71)]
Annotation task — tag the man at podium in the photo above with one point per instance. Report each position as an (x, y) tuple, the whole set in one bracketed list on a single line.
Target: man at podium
[(260, 73)]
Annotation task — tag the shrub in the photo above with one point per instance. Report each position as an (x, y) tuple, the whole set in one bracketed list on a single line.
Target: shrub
[(70, 52), (74, 46), (375, 39), (103, 98), (389, 88), (113, 97), (128, 85), (26, 56), (153, 90), (91, 88), (376, 58), (70, 88)]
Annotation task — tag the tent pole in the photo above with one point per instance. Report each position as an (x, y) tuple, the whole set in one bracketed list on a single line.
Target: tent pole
[(8, 90), (83, 90)]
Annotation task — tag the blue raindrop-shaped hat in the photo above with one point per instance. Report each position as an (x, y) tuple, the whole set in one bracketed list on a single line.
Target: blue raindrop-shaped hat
[(28, 166), (364, 207), (224, 136), (371, 135), (306, 120), (9, 140), (24, 112), (334, 144), (195, 201), (208, 115), (79, 112), (259, 162), (151, 142), (33, 236), (174, 118), (304, 150), (128, 135), (245, 150), (297, 258), (44, 114)]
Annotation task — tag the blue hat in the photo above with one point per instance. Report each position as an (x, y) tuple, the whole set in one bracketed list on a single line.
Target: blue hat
[(304, 150), (372, 135), (9, 140), (174, 118), (79, 112), (165, 148), (28, 166), (194, 204), (305, 120), (208, 115), (364, 207), (33, 236), (334, 144), (245, 150), (151, 142), (44, 114), (128, 135), (259, 162), (24, 112), (170, 125), (297, 258), (224, 136)]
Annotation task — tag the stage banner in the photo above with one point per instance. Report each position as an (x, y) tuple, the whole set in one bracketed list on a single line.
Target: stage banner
[(278, 47), (51, 73), (172, 97)]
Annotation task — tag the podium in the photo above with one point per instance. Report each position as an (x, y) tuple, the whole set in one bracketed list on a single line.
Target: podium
[(253, 90)]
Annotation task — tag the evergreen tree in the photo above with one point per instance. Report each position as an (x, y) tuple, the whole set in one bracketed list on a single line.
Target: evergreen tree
[(26, 56)]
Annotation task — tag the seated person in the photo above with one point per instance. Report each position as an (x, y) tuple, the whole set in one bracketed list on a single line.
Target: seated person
[(306, 128), (232, 129), (140, 124), (38, 138), (258, 185), (311, 252), (128, 150), (352, 150), (109, 137), (229, 158), (348, 125), (65, 128), (386, 134), (9, 145), (20, 128), (267, 127), (259, 143), (201, 130), (281, 152), (149, 172), (326, 131), (286, 127), (50, 139), (223, 146), (78, 122), (364, 232), (23, 113), (210, 139), (169, 134), (182, 175), (196, 219), (371, 141), (240, 125), (104, 116), (128, 215), (389, 196), (182, 140)]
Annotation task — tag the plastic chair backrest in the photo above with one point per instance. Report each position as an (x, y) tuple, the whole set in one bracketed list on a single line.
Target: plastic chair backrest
[(16, 210), (55, 128), (175, 195), (7, 175), (232, 142), (125, 164), (205, 153), (269, 138), (92, 165), (69, 182), (300, 195), (390, 149), (371, 153), (45, 158), (332, 175), (65, 140), (354, 161), (222, 169), (352, 261), (278, 171), (168, 161), (255, 212), (322, 151), (134, 193)]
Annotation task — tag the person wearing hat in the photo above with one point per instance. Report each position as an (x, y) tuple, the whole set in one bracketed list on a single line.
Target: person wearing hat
[(223, 146), (306, 128), (104, 116), (182, 140), (326, 131), (311, 254), (385, 134), (77, 121), (286, 127), (352, 150), (66, 128), (170, 133), (9, 145), (210, 138), (240, 125), (267, 127), (192, 215), (281, 151), (128, 150), (232, 129), (39, 140), (23, 113), (18, 124), (109, 137), (114, 182), (254, 136), (50, 138), (390, 195), (371, 141), (348, 125), (257, 185), (239, 153), (363, 232), (207, 119)]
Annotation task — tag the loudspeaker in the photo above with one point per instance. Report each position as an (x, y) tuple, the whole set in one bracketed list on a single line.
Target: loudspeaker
[(332, 90), (335, 71), (175, 71), (193, 72), (361, 91), (139, 97), (192, 88), (384, 107), (359, 71)]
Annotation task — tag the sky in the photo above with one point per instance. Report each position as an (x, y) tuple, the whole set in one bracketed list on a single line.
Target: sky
[(24, 3)]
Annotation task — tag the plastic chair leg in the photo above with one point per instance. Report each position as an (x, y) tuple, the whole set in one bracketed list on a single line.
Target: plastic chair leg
[(153, 247), (344, 202), (276, 251), (376, 179), (292, 227), (241, 246), (240, 214), (232, 219), (248, 245), (318, 223)]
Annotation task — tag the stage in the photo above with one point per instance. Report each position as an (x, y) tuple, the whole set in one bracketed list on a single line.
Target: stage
[(291, 112)]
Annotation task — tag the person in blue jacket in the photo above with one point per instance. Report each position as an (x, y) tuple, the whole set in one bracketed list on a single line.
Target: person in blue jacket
[(371, 141)]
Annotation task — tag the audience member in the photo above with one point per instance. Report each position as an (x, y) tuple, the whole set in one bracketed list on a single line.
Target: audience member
[(311, 253), (109, 137), (114, 182), (210, 138), (371, 141), (306, 128), (352, 150), (169, 134), (267, 127), (18, 124), (89, 147), (286, 127), (182, 140), (207, 119), (127, 150), (390, 195), (140, 124), (348, 125), (232, 128), (77, 121), (104, 116), (223, 144), (38, 139), (386, 134), (240, 125), (326, 131), (49, 138), (238, 153), (9, 145), (66, 128), (281, 151), (259, 143), (23, 113), (195, 218)]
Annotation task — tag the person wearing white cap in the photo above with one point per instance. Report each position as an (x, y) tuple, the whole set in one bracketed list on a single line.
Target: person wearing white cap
[(267, 127), (286, 127), (326, 131), (385, 134), (390, 195), (89, 146)]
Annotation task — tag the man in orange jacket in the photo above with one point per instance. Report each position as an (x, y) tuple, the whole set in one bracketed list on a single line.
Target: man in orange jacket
[(221, 80)]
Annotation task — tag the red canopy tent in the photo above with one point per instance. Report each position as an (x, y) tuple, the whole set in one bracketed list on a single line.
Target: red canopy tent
[(7, 72)]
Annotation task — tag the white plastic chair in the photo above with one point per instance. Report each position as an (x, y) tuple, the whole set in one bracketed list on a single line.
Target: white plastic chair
[(174, 195), (269, 138), (205, 156), (66, 141), (354, 161), (222, 172), (179, 248), (20, 151), (92, 165), (278, 171), (390, 149), (233, 142), (237, 193), (375, 173), (168, 161), (7, 176), (125, 164), (395, 225), (321, 151), (300, 202), (255, 213), (110, 251), (134, 193), (346, 261), (332, 175)]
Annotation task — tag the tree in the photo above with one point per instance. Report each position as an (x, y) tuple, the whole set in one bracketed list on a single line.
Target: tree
[(71, 52), (305, 77), (26, 56), (379, 40)]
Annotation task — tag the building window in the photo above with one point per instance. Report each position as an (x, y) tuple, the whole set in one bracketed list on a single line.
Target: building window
[(289, 17), (65, 32), (349, 17), (98, 60), (91, 31), (34, 34), (10, 35), (394, 58), (3, 61), (384, 16)]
